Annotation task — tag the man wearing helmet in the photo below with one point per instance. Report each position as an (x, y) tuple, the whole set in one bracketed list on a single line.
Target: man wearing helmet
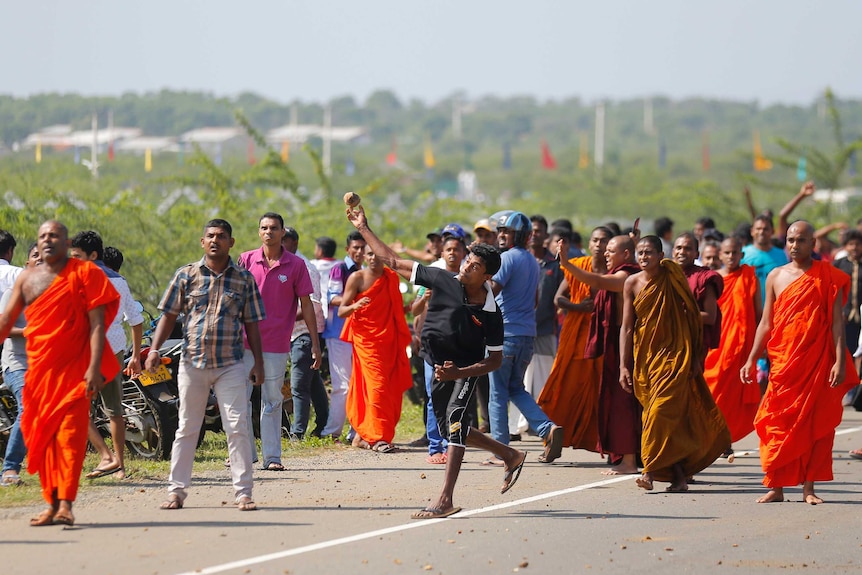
[(515, 286)]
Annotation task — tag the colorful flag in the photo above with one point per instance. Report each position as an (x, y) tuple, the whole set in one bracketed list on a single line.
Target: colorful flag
[(349, 167), (761, 164), (851, 168), (111, 151), (251, 159), (218, 155), (148, 160), (548, 161), (802, 169), (705, 151), (181, 148), (429, 156), (392, 156), (584, 156), (77, 155), (38, 151), (507, 156), (285, 151)]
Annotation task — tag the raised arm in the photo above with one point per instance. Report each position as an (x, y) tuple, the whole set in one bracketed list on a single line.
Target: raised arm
[(783, 216), (387, 255)]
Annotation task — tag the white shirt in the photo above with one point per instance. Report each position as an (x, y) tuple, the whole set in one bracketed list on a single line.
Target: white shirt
[(128, 311), (8, 275)]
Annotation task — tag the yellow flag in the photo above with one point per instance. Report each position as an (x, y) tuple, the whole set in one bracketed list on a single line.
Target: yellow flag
[(285, 151), (584, 159), (148, 160), (38, 151), (761, 164), (429, 156)]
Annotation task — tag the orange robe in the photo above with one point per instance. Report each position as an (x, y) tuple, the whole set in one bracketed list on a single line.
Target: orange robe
[(681, 423), (737, 401), (57, 414), (799, 413), (571, 395), (381, 369)]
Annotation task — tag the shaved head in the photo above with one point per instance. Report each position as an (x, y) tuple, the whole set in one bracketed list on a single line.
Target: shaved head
[(624, 243), (802, 227)]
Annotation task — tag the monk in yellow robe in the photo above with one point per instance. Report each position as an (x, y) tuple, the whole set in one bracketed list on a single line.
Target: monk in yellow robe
[(661, 363), (571, 394), (741, 309), (810, 369), (381, 370), (69, 303)]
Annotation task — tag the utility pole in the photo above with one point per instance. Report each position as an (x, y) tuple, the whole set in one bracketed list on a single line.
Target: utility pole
[(327, 139), (600, 135), (456, 117)]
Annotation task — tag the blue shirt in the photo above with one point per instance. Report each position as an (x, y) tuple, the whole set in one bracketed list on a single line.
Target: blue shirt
[(763, 263), (519, 278), (337, 280)]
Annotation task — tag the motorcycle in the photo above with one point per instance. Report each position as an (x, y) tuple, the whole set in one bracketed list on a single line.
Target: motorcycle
[(150, 404), (8, 414)]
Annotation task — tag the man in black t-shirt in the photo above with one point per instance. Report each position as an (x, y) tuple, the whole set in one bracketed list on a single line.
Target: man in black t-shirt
[(463, 339)]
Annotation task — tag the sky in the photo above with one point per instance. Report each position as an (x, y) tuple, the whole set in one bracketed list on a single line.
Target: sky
[(769, 51)]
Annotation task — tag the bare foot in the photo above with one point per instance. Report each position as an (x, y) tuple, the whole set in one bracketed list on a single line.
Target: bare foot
[(773, 496), (812, 499), (677, 487), (645, 482), (620, 469)]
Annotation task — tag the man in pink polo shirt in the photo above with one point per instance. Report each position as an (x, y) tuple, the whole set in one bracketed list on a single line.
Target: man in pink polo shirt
[(282, 279)]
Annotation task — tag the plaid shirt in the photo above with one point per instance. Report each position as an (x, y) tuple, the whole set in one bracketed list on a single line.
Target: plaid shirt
[(216, 306)]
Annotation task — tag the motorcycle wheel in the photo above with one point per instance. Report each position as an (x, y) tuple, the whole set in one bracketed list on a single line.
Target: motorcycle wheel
[(146, 433)]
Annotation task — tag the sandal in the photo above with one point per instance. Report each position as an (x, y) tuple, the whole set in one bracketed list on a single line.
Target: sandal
[(274, 466), (10, 480), (245, 503), (383, 447), (172, 502), (46, 517)]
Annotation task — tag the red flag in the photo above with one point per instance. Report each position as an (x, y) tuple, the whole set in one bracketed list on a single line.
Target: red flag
[(251, 159), (111, 151), (548, 161), (392, 156)]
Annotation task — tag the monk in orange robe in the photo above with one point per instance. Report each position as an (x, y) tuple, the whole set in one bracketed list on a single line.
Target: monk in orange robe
[(741, 309), (381, 370), (810, 369), (571, 394), (661, 362), (69, 303)]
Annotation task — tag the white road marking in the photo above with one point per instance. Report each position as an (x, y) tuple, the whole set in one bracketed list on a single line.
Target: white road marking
[(415, 524)]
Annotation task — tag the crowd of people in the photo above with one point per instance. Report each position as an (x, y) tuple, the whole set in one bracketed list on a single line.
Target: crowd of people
[(656, 352)]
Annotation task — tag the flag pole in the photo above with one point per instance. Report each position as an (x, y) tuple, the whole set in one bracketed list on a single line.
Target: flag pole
[(600, 136)]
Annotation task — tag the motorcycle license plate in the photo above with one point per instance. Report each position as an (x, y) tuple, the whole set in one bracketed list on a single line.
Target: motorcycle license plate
[(148, 378)]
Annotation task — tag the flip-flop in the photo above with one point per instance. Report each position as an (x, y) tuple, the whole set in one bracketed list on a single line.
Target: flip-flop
[(99, 472), (553, 445), (246, 504), (437, 458), (171, 503), (46, 517), (512, 475), (494, 462), (432, 513), (64, 518), (856, 454), (383, 447), (274, 466)]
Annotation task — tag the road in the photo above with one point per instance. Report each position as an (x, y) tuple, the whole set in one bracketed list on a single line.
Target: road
[(347, 511)]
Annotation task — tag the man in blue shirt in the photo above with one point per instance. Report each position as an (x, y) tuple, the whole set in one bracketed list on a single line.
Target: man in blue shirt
[(515, 286), (763, 255)]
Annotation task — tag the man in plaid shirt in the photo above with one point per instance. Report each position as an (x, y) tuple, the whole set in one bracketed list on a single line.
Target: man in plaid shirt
[(218, 299)]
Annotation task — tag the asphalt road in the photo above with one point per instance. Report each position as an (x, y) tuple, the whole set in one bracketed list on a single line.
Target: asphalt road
[(348, 512)]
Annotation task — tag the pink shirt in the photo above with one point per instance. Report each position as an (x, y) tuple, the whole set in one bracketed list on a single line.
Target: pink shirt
[(281, 286)]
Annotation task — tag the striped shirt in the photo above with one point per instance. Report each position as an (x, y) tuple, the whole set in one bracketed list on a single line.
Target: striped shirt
[(216, 306)]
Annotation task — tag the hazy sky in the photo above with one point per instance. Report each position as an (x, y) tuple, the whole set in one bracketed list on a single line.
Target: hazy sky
[(766, 50)]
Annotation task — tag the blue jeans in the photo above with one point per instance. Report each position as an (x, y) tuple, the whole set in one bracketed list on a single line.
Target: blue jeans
[(436, 443), (507, 384), (306, 387), (271, 399), (15, 449)]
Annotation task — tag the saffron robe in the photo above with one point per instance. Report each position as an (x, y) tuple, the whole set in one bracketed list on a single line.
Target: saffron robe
[(619, 410), (681, 423), (699, 279), (381, 369), (799, 413), (57, 414), (570, 395), (737, 401)]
